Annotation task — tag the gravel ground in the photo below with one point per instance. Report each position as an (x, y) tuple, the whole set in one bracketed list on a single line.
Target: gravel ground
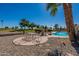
[(7, 48)]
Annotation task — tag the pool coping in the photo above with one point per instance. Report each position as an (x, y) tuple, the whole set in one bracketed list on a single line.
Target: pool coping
[(58, 36)]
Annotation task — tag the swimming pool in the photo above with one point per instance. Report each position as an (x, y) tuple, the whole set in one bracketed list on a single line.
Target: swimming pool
[(60, 34)]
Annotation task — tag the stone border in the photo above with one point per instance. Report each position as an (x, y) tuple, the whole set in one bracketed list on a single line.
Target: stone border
[(20, 41), (58, 36)]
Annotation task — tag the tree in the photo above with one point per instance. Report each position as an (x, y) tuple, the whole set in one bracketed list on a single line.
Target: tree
[(32, 25), (13, 28), (2, 22), (16, 27), (50, 28), (38, 26), (67, 7), (56, 26), (42, 26), (23, 24), (6, 27)]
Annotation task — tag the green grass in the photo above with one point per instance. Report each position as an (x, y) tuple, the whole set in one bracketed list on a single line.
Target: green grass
[(19, 30), (12, 30), (7, 30)]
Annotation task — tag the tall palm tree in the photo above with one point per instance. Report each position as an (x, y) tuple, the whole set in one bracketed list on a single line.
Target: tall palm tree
[(53, 7)]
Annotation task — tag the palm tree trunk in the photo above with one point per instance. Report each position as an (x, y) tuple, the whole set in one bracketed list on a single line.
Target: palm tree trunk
[(69, 20), (72, 29)]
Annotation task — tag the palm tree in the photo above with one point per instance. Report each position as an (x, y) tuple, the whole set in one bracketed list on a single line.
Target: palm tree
[(53, 7)]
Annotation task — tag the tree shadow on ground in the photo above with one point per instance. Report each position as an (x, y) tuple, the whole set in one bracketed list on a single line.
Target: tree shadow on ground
[(59, 52), (75, 45)]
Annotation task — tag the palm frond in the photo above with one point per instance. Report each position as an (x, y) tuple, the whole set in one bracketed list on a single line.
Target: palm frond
[(54, 10), (49, 5), (53, 7)]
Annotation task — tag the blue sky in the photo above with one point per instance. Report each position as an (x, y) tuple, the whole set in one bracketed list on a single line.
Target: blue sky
[(37, 13)]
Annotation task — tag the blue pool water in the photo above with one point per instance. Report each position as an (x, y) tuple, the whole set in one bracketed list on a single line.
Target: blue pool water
[(60, 34)]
